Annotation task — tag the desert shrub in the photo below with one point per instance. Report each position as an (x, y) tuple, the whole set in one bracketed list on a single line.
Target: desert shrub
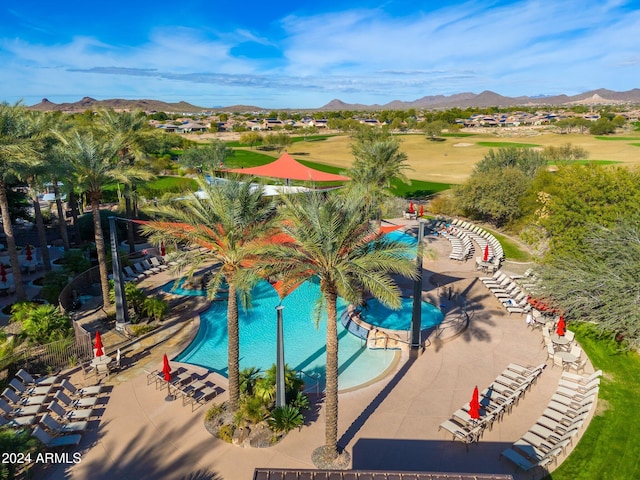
[(15, 441), (300, 401), (42, 323), (139, 330), (215, 411), (251, 410), (225, 432), (155, 308), (284, 419)]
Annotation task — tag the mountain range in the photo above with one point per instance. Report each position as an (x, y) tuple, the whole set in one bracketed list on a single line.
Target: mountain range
[(460, 100)]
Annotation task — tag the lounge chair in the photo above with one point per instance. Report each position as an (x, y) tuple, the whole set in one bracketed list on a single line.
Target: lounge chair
[(27, 379), (81, 392), (69, 415), (24, 391), (204, 395), (75, 403), (149, 268), (138, 267), (55, 442), (157, 263), (14, 412), (581, 379), (58, 428), (17, 421), (131, 275), (17, 400)]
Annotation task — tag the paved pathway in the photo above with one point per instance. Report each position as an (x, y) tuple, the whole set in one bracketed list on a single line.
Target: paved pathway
[(392, 424)]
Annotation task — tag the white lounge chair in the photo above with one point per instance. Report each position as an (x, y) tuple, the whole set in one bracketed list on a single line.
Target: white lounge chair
[(81, 392), (58, 428), (70, 415), (27, 379)]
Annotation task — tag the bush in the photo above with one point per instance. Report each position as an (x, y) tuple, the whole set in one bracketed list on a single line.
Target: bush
[(42, 323), (139, 330), (53, 283), (155, 308), (284, 419), (214, 411), (225, 432), (15, 441)]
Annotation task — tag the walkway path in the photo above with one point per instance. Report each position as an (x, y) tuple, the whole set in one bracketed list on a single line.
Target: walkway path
[(392, 424)]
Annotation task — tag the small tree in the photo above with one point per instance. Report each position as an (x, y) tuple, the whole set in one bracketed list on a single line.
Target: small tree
[(279, 141), (155, 308), (251, 138)]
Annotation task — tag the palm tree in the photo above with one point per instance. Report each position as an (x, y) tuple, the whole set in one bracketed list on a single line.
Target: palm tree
[(16, 154), (93, 166), (378, 162), (230, 222), (329, 241), (129, 126)]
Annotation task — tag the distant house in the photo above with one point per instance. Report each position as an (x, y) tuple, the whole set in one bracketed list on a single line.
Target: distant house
[(191, 127)]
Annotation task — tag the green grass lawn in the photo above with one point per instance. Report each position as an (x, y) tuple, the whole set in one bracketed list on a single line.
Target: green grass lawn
[(512, 250), (610, 447), (617, 139), (507, 144), (458, 135), (585, 162)]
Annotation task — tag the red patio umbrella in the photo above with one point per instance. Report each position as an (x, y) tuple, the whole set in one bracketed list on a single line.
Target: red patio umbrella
[(411, 209), (99, 351), (3, 273), (421, 210), (163, 250), (485, 256), (474, 405), (562, 326), (166, 371), (29, 254)]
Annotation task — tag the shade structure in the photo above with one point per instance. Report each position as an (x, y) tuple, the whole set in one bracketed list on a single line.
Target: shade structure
[(485, 255), (561, 327), (29, 253), (166, 368), (411, 209), (421, 210), (474, 405), (3, 273), (98, 345), (289, 168)]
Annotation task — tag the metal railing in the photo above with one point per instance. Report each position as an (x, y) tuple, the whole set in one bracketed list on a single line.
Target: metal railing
[(315, 377)]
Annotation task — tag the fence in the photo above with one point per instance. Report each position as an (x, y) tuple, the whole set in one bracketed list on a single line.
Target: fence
[(87, 283), (51, 357)]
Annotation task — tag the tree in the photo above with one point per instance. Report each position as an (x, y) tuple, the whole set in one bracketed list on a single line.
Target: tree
[(331, 243), (601, 285), (279, 141), (129, 127), (378, 162), (93, 162), (206, 158), (582, 124), (251, 138), (565, 152), (433, 129), (603, 126), (231, 222), (527, 160), (16, 153)]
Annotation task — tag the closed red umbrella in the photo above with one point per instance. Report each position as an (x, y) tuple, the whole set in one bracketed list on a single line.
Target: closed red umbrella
[(163, 250), (411, 209), (99, 351), (561, 327), (485, 256), (29, 253), (474, 405), (166, 371), (421, 210)]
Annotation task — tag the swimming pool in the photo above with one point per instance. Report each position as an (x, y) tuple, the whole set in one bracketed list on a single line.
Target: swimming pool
[(377, 314), (304, 342)]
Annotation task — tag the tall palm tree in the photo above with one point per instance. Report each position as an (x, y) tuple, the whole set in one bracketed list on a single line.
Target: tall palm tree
[(92, 160), (129, 126), (330, 241), (231, 221), (378, 162), (16, 153)]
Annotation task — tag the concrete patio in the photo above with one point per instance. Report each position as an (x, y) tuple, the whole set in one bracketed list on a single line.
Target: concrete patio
[(391, 424)]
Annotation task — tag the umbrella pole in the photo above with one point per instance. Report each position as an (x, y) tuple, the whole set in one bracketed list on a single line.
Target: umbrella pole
[(169, 397)]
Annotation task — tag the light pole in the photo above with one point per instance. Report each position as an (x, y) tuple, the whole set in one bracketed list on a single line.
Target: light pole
[(122, 311), (416, 317), (281, 400)]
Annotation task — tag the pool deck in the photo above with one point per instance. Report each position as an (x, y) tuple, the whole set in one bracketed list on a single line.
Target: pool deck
[(390, 425)]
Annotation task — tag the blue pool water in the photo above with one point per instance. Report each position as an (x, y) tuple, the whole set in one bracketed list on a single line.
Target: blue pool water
[(305, 342), (377, 314)]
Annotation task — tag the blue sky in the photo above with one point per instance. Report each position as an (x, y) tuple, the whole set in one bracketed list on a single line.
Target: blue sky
[(285, 54)]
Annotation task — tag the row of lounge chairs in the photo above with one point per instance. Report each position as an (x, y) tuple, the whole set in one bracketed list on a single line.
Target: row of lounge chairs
[(508, 292), (145, 268), (186, 385), (496, 400), (67, 408), (483, 238), (560, 422)]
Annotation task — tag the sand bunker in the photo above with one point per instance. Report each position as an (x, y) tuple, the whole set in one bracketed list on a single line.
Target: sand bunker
[(463, 144)]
